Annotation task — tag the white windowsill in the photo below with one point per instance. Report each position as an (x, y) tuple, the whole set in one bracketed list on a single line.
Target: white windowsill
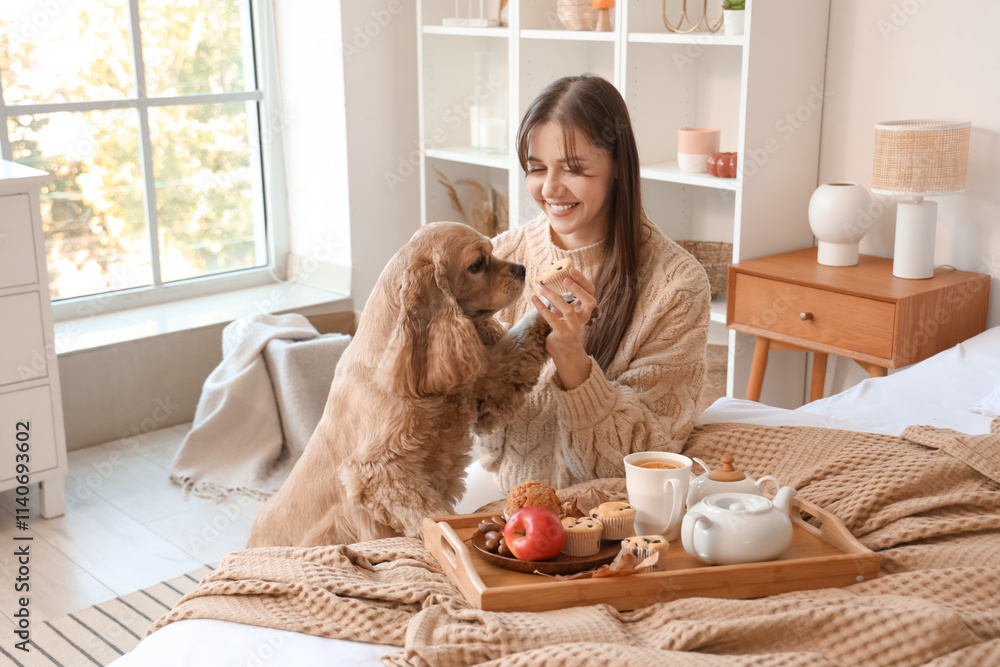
[(95, 331)]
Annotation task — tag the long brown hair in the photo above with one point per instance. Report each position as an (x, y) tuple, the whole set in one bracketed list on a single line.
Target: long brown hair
[(593, 106)]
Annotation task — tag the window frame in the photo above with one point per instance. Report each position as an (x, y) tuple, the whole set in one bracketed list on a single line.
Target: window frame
[(266, 156)]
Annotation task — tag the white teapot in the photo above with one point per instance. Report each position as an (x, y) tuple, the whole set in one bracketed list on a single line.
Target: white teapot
[(730, 528), (725, 479)]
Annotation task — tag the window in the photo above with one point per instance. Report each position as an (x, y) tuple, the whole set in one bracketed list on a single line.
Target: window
[(146, 113)]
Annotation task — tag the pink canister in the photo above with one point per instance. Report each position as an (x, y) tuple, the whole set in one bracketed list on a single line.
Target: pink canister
[(694, 146)]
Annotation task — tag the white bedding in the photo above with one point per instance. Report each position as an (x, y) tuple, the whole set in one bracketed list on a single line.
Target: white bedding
[(203, 642), (939, 391)]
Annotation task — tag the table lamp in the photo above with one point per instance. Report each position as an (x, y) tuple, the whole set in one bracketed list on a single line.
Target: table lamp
[(603, 8), (919, 158)]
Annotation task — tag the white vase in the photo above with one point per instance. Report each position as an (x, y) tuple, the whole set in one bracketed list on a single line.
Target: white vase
[(732, 19), (838, 217)]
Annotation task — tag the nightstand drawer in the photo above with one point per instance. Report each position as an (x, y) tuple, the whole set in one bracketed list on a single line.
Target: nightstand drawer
[(841, 320)]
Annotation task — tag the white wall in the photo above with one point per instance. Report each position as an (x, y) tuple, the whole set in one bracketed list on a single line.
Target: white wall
[(380, 71), (343, 135), (903, 59), (313, 123)]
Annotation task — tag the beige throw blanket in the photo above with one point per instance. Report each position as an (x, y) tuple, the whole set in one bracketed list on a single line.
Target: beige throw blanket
[(259, 407), (928, 502)]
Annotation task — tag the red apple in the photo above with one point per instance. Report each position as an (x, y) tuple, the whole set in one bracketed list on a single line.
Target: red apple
[(534, 533)]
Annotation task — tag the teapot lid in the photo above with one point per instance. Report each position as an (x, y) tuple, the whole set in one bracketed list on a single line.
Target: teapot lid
[(726, 472)]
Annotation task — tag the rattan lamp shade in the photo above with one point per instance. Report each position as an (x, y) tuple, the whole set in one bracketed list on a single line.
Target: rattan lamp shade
[(920, 157)]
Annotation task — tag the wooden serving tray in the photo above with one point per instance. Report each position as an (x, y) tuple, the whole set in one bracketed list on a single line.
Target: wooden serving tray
[(824, 557)]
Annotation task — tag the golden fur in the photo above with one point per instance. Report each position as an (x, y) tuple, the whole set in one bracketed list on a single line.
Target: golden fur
[(428, 364)]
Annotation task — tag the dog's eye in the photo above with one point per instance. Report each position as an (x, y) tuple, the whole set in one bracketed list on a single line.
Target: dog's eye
[(477, 266)]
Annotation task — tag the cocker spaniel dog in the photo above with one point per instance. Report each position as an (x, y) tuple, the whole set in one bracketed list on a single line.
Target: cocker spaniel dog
[(428, 365)]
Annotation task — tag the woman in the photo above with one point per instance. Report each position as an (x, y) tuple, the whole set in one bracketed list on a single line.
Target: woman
[(630, 380)]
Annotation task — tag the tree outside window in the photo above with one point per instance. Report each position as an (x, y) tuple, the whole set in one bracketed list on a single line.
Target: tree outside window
[(145, 113)]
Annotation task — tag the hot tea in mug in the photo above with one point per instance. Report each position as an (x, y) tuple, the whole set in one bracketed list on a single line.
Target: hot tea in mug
[(657, 485), (659, 465)]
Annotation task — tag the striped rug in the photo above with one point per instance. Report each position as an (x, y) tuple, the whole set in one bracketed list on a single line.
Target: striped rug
[(101, 634)]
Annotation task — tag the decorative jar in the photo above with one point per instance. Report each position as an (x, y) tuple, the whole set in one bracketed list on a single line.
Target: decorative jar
[(838, 217), (694, 146)]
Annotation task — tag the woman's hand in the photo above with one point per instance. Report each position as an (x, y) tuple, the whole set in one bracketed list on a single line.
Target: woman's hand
[(565, 342)]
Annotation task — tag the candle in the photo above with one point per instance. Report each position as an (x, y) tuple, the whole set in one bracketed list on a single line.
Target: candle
[(493, 134)]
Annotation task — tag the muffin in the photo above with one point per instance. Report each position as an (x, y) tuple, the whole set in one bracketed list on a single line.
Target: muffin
[(618, 519), (554, 275), (644, 546), (532, 494), (583, 536)]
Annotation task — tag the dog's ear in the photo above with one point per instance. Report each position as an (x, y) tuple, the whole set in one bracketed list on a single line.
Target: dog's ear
[(434, 347)]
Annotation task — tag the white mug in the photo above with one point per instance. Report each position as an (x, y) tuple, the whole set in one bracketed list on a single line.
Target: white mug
[(658, 494)]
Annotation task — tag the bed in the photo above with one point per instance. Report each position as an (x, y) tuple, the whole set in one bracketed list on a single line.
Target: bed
[(956, 389)]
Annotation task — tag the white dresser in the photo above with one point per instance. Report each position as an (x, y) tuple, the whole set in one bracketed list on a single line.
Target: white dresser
[(30, 399)]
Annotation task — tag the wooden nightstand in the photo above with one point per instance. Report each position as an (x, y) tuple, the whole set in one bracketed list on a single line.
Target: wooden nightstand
[(861, 312)]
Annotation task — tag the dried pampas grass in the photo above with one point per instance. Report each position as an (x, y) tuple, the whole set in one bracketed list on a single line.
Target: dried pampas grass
[(483, 210)]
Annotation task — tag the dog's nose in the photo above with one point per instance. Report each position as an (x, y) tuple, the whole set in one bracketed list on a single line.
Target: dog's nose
[(518, 270)]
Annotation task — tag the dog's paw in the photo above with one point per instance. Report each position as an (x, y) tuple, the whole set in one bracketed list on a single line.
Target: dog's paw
[(490, 331), (530, 327)]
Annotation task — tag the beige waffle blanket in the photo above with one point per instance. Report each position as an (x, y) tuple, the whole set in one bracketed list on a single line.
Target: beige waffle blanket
[(928, 502)]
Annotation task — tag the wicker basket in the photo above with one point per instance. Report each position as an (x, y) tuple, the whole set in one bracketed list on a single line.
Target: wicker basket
[(577, 14), (716, 257)]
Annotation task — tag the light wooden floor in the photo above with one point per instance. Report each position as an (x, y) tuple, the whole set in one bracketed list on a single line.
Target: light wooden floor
[(126, 527)]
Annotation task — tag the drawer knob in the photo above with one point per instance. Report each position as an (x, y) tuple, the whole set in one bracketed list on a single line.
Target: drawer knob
[(805, 316)]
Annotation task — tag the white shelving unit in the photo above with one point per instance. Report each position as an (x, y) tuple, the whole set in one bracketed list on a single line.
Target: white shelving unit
[(763, 90), (669, 172), (699, 39), (468, 155), (568, 35)]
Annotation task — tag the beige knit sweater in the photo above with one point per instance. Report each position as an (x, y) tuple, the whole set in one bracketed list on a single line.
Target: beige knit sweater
[(646, 400)]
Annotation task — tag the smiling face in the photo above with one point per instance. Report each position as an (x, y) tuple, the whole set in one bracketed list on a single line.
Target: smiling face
[(574, 189)]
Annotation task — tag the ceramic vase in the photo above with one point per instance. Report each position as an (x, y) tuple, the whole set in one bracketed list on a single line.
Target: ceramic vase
[(577, 14), (723, 165), (837, 217), (694, 146), (732, 20)]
